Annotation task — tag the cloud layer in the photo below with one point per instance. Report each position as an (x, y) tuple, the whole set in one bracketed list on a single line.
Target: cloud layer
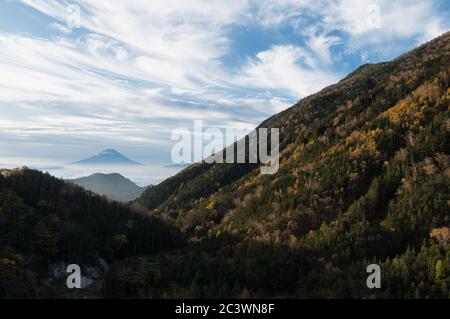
[(133, 70)]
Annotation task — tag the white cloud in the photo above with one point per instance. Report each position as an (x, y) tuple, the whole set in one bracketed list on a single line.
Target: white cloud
[(419, 20), (70, 90), (62, 28), (180, 43), (141, 65), (286, 68), (399, 19), (181, 39), (39, 70), (321, 44)]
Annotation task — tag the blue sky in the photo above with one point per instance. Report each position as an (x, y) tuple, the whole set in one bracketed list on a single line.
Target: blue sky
[(124, 74)]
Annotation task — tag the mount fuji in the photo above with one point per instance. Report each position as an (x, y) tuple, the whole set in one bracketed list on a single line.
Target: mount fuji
[(107, 157)]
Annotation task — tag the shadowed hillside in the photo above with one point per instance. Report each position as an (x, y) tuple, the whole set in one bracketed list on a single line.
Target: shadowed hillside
[(46, 224), (115, 186)]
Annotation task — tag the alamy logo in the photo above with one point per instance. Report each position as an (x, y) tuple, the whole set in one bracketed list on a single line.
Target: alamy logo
[(73, 20), (374, 279), (209, 145), (74, 279), (373, 16)]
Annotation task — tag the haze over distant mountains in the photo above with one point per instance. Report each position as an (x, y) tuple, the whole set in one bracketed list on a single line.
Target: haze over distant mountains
[(107, 157), (115, 186)]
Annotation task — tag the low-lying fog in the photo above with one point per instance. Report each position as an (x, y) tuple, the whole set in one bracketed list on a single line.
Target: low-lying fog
[(142, 175)]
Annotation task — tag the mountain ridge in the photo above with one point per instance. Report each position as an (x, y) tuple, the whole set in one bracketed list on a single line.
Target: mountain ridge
[(114, 186), (353, 79), (363, 162), (107, 157)]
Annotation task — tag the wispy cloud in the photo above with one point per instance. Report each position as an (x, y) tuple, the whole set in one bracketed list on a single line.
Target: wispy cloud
[(399, 19), (286, 68), (135, 69)]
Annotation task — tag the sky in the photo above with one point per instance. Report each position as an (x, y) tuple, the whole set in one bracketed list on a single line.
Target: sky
[(77, 77)]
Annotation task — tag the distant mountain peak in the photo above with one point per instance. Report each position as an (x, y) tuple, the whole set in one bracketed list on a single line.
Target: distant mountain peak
[(107, 157), (113, 185), (109, 151)]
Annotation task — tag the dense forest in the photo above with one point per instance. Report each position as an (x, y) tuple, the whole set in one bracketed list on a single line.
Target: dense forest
[(45, 222), (364, 178)]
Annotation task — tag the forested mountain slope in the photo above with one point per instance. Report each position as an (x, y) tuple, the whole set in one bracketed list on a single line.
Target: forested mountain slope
[(364, 178), (114, 186), (45, 222)]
